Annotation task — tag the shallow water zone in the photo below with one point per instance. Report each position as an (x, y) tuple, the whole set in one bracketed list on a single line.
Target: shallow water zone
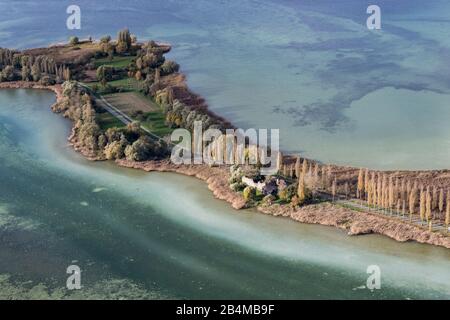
[(338, 92), (158, 235)]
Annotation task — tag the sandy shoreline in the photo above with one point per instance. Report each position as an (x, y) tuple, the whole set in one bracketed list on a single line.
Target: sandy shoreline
[(354, 222), (57, 89)]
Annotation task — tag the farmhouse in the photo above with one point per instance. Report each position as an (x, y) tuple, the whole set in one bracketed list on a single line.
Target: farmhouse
[(265, 187)]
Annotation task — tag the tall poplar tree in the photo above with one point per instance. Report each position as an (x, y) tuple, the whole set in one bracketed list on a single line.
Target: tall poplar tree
[(360, 186), (441, 201), (366, 182), (422, 205), (304, 168), (412, 202), (297, 167), (301, 192), (428, 204), (333, 188), (447, 213), (279, 162)]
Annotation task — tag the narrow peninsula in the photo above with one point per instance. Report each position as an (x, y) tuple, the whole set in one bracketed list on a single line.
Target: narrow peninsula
[(125, 98)]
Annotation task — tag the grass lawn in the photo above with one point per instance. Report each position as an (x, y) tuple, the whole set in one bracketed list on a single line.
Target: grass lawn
[(132, 102), (125, 84), (116, 62), (105, 120), (155, 122)]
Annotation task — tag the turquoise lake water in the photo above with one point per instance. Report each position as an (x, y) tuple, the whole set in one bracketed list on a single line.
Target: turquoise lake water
[(157, 235), (337, 91)]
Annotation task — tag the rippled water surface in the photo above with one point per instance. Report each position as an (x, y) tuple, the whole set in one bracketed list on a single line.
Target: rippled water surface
[(337, 91), (156, 235)]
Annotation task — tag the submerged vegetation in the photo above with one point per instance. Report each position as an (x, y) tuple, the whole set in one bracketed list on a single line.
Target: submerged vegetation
[(107, 66), (113, 143), (147, 88)]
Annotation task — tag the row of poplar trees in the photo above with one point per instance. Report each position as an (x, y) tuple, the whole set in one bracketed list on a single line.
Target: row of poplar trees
[(404, 196), (377, 189), (311, 177), (33, 67)]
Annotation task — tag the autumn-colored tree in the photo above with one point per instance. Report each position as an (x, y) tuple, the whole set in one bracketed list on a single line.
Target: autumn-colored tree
[(369, 191), (36, 72), (384, 192), (422, 205), (366, 182), (249, 193), (408, 188), (412, 202), (329, 181), (26, 73), (374, 189), (304, 168), (329, 171), (397, 190), (428, 204), (447, 213), (123, 41), (105, 39), (346, 190), (387, 204), (104, 74), (279, 162), (66, 74), (310, 170), (157, 75), (333, 188), (301, 191), (441, 201), (114, 150), (391, 199), (360, 186), (324, 177), (74, 41), (316, 172), (297, 167), (434, 199), (169, 67), (379, 191), (403, 190)]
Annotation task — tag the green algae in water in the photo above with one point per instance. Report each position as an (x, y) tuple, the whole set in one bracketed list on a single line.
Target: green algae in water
[(108, 289)]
